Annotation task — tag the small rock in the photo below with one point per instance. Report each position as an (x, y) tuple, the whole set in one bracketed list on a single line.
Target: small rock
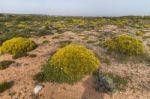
[(37, 90), (104, 84)]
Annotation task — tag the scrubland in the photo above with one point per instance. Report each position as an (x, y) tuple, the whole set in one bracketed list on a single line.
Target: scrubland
[(74, 57)]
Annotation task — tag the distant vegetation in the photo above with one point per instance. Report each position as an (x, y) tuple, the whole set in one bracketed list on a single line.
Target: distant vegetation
[(26, 26)]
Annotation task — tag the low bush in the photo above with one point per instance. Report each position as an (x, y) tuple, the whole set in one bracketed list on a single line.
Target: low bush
[(75, 60), (17, 45), (125, 44), (69, 64)]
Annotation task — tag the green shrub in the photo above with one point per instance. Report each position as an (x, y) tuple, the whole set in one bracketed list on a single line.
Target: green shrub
[(17, 45), (70, 63), (125, 44), (5, 85)]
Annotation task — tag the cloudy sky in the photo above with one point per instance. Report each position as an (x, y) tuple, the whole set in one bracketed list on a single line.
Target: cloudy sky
[(77, 7)]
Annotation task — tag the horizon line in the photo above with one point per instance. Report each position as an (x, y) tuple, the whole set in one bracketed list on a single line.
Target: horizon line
[(38, 14)]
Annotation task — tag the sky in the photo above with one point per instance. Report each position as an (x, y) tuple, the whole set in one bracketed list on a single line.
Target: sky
[(77, 7)]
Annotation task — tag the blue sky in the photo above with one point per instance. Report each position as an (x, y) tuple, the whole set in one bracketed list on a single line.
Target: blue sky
[(77, 7)]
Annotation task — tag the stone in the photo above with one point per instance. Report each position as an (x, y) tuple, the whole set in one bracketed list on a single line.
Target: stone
[(104, 83), (37, 90)]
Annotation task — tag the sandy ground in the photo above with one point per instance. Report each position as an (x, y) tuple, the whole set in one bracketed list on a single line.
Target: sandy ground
[(23, 70)]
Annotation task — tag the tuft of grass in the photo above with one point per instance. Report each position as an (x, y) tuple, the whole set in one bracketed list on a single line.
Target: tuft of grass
[(64, 43), (51, 73), (107, 61), (6, 85), (32, 55), (122, 58), (19, 55), (146, 57), (5, 64), (45, 42), (139, 33)]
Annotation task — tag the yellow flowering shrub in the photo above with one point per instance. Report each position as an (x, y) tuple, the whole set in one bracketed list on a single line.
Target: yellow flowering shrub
[(125, 44), (75, 60), (0, 50), (17, 45)]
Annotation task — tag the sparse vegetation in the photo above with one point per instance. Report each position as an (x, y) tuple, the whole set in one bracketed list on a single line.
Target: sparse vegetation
[(32, 55), (45, 42), (107, 61), (146, 58), (5, 64), (56, 36), (139, 33), (5, 85), (126, 39), (27, 26), (19, 55)]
